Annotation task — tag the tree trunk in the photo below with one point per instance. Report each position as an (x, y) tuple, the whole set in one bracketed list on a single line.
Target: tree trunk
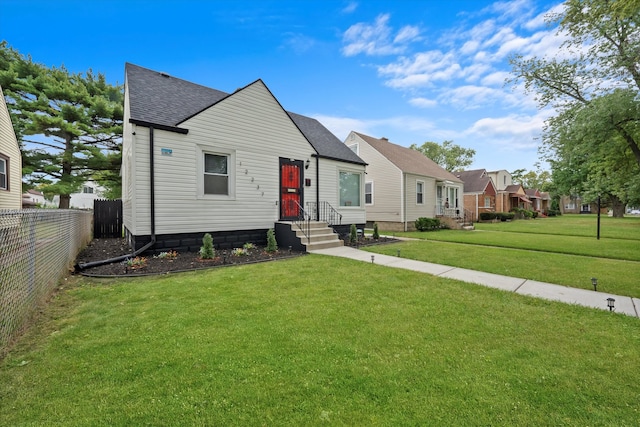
[(617, 207), (64, 201)]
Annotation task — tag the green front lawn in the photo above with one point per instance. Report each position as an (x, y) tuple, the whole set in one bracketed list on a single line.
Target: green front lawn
[(318, 340), (561, 250)]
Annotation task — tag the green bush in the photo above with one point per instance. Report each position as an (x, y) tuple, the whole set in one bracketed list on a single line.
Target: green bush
[(206, 250), (427, 224), (353, 234), (376, 233), (506, 216), (488, 216), (272, 245)]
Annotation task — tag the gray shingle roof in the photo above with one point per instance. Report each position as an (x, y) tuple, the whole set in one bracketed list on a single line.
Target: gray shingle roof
[(408, 160), (475, 181), (160, 99)]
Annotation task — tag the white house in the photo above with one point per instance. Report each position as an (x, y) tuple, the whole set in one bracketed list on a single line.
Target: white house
[(403, 185), (198, 160), (10, 161), (84, 198)]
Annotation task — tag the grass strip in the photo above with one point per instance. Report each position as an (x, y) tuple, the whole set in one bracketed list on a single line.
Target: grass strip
[(318, 340)]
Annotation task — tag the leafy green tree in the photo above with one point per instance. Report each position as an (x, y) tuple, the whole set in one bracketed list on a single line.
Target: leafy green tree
[(73, 121), (538, 179), (599, 57), (450, 156)]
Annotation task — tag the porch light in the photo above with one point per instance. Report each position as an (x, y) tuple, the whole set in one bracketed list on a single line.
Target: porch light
[(610, 303), (307, 164), (594, 282)]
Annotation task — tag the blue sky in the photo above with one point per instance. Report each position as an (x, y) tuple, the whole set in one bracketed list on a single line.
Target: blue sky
[(411, 71)]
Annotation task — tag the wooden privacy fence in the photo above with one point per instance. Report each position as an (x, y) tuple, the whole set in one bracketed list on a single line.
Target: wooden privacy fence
[(107, 218)]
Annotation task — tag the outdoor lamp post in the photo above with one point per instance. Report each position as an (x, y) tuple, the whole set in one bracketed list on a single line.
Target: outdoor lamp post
[(372, 257), (594, 282), (610, 303)]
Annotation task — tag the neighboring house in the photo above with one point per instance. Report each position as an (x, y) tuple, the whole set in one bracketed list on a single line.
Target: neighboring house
[(33, 198), (402, 184), (10, 161), (479, 192), (545, 201), (575, 205), (197, 160), (536, 199), (83, 199), (501, 179), (514, 196)]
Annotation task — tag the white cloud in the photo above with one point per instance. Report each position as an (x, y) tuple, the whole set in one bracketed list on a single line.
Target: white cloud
[(299, 43), (515, 131), (350, 8), (423, 102), (496, 78), (377, 38), (341, 126)]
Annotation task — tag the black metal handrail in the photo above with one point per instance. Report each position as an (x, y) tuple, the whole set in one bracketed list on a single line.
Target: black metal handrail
[(303, 221), (324, 212)]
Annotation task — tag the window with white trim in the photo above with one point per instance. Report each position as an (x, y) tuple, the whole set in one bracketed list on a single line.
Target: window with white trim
[(216, 174), (355, 148), (487, 201), (368, 193), (350, 188), (4, 172), (87, 190), (419, 192)]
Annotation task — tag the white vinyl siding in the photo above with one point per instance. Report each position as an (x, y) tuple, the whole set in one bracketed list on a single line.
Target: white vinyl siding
[(11, 194), (249, 126), (388, 184)]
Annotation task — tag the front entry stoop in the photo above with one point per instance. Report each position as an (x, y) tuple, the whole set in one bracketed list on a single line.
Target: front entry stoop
[(321, 236)]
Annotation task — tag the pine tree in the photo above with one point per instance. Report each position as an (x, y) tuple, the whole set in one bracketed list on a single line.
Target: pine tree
[(76, 120)]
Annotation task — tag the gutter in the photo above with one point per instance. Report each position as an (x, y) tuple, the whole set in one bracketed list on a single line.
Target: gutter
[(152, 201)]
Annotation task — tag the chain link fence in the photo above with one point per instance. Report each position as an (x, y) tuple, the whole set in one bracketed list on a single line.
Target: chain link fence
[(37, 247)]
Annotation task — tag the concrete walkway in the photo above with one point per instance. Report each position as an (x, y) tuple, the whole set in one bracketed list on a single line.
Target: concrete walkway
[(626, 305)]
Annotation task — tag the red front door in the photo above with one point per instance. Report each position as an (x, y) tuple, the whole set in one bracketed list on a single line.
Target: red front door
[(290, 189)]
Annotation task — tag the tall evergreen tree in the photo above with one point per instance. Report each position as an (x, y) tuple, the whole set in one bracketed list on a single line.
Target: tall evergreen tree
[(69, 124)]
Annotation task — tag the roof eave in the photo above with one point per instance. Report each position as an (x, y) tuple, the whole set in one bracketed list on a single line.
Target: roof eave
[(159, 126)]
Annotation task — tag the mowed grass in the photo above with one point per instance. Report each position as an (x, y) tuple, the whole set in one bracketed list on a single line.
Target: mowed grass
[(318, 340), (531, 250)]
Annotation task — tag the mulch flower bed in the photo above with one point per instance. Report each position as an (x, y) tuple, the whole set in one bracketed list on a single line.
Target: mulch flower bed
[(101, 249)]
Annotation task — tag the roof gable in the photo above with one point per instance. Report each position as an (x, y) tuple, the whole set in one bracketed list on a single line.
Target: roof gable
[(476, 181), (159, 99), (408, 160)]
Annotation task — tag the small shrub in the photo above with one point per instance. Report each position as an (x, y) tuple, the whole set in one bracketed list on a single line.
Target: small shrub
[(167, 255), (536, 214), (272, 245), (353, 234), (239, 252), (137, 262), (427, 224), (376, 233), (206, 250), (248, 246)]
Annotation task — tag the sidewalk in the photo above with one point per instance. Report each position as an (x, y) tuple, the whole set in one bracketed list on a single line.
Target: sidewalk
[(627, 305)]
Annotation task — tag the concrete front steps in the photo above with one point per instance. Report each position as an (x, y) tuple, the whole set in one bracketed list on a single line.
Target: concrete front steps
[(321, 236)]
